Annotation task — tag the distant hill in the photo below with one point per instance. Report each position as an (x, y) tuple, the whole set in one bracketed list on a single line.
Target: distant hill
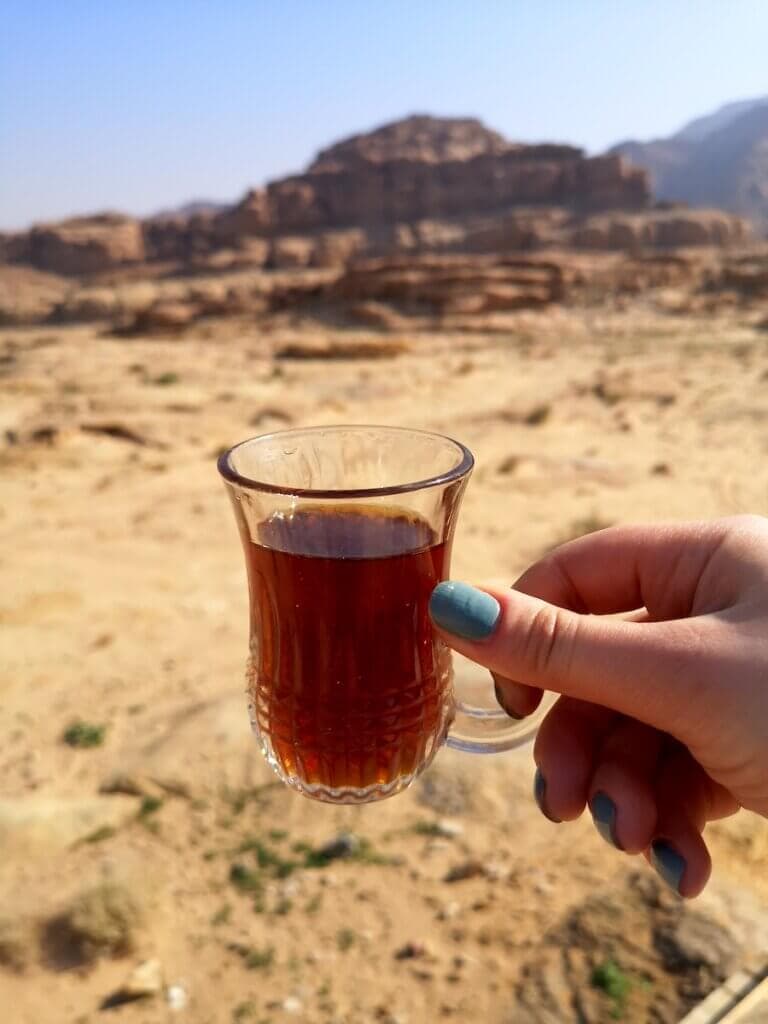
[(720, 160), (190, 209)]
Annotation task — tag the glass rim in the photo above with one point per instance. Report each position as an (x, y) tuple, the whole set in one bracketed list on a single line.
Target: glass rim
[(464, 465)]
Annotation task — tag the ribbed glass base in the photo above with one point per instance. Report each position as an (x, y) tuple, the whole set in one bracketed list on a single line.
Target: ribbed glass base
[(347, 794)]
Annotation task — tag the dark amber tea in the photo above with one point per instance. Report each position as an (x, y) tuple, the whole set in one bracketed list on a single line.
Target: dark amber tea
[(346, 531), (349, 686)]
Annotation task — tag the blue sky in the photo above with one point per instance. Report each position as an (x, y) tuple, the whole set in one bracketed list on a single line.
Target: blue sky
[(143, 104)]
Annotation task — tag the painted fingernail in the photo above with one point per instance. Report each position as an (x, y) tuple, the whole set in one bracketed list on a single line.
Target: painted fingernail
[(540, 796), (668, 863), (604, 816), (500, 698), (464, 610)]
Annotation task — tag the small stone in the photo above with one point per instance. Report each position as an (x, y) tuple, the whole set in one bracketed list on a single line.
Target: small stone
[(346, 844), (132, 785), (146, 979), (449, 911), (292, 1004), (493, 870), (176, 996), (698, 941), (411, 951), (447, 829), (469, 869)]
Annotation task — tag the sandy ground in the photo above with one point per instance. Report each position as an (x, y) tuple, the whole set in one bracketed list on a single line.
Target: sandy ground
[(123, 603)]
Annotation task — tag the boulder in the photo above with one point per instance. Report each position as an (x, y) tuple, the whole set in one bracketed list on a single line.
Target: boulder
[(166, 317), (183, 239), (28, 296), (291, 253), (251, 216), (85, 305), (87, 245), (663, 229), (44, 825), (451, 284), (337, 248)]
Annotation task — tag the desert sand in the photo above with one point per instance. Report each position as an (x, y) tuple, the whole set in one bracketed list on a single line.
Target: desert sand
[(123, 605)]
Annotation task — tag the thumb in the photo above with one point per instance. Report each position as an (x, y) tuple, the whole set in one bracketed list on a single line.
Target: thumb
[(640, 669)]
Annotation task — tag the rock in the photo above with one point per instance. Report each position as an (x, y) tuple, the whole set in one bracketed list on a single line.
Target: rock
[(251, 216), (120, 432), (448, 829), (165, 317), (36, 824), (346, 844), (419, 137), (146, 979), (337, 248), (537, 415), (16, 944), (444, 789), (697, 940), (251, 252), (663, 229), (86, 305), (747, 276), (187, 239), (468, 869), (133, 785), (86, 245), (411, 951), (341, 348), (425, 167), (290, 253), (176, 997), (377, 315), (143, 982), (101, 921), (28, 296), (451, 284), (292, 1004), (449, 911)]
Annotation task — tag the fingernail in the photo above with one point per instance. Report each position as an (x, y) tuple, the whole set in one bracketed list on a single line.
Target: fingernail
[(604, 816), (464, 610), (668, 863), (500, 698), (540, 796)]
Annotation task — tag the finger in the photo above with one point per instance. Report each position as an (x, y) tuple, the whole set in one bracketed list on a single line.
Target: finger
[(515, 698), (622, 795), (565, 749), (645, 670), (678, 852), (519, 700), (625, 568)]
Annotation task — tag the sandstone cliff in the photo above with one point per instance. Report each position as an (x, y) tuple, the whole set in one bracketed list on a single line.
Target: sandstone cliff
[(419, 185)]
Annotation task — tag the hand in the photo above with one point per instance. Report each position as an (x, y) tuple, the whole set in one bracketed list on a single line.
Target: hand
[(662, 724)]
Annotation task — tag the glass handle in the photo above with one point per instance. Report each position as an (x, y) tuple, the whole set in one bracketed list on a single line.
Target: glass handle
[(480, 726)]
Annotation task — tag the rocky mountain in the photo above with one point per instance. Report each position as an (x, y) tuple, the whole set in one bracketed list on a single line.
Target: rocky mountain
[(424, 167), (420, 185), (720, 160), (191, 209)]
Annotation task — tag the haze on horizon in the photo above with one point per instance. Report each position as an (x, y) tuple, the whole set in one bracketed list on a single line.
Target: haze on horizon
[(138, 107)]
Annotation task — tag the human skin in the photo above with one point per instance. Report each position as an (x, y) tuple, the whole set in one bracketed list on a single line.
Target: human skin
[(656, 637)]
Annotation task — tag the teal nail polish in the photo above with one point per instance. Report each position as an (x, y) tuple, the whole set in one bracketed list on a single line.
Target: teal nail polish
[(464, 611), (604, 816), (540, 796), (668, 863)]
